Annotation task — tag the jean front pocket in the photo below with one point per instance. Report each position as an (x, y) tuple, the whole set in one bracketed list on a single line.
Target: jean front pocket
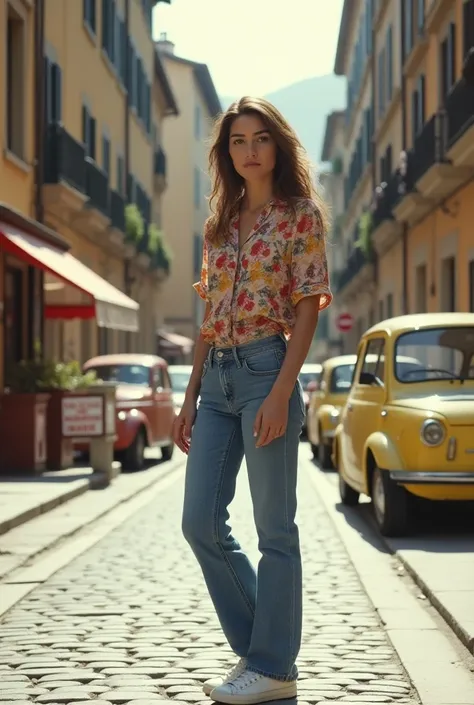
[(265, 362), (205, 368)]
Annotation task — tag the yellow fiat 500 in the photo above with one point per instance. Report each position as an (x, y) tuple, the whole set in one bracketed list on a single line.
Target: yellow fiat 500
[(325, 405), (407, 427)]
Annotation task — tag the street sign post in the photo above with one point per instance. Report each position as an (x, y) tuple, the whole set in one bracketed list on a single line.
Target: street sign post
[(344, 322)]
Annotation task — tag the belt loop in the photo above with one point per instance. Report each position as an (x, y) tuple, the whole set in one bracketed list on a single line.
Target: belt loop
[(236, 357), (210, 356)]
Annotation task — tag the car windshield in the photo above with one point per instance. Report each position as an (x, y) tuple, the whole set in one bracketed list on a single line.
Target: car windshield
[(123, 374), (307, 377), (341, 379), (179, 380), (438, 354)]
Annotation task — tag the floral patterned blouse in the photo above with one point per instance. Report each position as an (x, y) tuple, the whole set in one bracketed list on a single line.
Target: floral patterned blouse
[(253, 290)]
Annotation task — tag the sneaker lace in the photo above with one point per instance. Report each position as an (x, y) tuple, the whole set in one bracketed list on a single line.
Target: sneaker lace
[(245, 679), (236, 671)]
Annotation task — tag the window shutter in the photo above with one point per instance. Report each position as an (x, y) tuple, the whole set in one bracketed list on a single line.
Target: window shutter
[(389, 63), (421, 100), (92, 131), (85, 128), (56, 90), (414, 114), (421, 16), (47, 92), (452, 55)]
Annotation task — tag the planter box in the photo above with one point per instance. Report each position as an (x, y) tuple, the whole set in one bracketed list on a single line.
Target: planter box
[(23, 432)]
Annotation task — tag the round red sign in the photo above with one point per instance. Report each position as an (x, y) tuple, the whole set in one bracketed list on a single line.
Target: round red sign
[(344, 322)]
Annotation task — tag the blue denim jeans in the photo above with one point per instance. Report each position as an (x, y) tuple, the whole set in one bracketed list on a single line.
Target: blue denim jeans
[(260, 614)]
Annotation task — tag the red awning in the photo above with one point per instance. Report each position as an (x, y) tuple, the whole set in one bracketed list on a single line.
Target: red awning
[(82, 294)]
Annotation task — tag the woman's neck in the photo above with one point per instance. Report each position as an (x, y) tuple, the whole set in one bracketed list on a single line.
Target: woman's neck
[(257, 195)]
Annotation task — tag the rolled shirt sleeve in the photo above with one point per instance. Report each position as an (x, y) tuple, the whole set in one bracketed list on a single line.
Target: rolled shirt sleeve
[(202, 285), (309, 268)]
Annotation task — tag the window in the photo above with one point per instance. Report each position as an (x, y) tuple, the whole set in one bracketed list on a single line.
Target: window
[(420, 20), (468, 26), (448, 62), (197, 187), (197, 122), (389, 67), (471, 286), (120, 175), (418, 107), (389, 305), (106, 155), (109, 14), (386, 164), (197, 253), (15, 82), (89, 14), (373, 364), (88, 132), (421, 289), (53, 92), (408, 34), (448, 284)]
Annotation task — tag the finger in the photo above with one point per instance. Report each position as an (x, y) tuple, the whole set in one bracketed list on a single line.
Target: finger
[(265, 434), (258, 424)]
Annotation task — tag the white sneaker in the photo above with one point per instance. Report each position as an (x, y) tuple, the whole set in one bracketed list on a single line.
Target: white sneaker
[(250, 688), (235, 672)]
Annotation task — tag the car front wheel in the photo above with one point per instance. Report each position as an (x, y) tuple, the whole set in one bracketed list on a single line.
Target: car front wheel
[(391, 504), (349, 496), (134, 456)]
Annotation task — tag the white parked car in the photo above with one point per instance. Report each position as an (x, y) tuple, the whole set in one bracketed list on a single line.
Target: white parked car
[(179, 375)]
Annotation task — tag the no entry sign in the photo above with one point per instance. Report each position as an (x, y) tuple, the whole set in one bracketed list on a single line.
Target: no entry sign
[(344, 322)]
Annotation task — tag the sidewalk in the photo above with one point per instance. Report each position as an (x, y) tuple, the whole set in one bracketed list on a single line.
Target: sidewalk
[(43, 511)]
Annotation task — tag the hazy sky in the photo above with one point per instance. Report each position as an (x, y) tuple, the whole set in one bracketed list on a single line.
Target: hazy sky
[(254, 46)]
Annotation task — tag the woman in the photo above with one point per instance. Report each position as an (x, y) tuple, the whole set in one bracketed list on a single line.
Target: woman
[(264, 279)]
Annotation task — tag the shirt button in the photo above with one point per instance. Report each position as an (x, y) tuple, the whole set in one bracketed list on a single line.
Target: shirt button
[(220, 354)]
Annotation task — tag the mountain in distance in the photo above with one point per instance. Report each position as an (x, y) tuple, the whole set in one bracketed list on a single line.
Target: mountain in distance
[(306, 104)]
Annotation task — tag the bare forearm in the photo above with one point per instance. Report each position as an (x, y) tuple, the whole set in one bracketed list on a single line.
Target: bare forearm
[(298, 346), (201, 351)]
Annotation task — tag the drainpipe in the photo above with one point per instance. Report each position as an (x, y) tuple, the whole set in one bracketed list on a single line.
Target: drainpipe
[(126, 159), (404, 146), (39, 136)]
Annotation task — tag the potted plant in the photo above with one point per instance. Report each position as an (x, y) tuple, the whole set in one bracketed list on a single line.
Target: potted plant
[(23, 412), (364, 242), (65, 378), (161, 255)]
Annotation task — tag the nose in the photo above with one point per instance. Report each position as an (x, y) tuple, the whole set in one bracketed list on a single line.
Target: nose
[(252, 150)]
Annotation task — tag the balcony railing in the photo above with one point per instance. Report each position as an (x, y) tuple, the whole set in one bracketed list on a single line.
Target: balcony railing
[(97, 186), (117, 211), (356, 262), (160, 162), (391, 194), (460, 111), (64, 158), (430, 146)]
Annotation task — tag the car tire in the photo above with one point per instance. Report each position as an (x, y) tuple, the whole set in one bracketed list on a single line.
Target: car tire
[(349, 496), (391, 505), (324, 454), (134, 455), (314, 450), (167, 452)]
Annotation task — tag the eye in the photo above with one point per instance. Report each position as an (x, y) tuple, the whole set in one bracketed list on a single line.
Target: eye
[(264, 138), (238, 140)]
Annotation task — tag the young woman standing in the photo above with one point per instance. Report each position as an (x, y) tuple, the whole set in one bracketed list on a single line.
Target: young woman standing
[(264, 279)]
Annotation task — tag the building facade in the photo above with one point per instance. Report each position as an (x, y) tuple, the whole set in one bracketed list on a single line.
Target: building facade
[(185, 205), (410, 170), (85, 96)]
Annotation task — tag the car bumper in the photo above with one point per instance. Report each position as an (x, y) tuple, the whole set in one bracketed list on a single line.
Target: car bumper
[(432, 478)]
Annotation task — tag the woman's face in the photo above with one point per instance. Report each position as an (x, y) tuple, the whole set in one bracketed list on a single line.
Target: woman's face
[(252, 148)]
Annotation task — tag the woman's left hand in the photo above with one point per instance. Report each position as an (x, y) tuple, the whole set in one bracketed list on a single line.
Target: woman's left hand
[(272, 419)]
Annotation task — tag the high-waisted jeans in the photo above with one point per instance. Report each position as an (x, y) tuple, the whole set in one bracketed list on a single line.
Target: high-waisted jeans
[(260, 613)]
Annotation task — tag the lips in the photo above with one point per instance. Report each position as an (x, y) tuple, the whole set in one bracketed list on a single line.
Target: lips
[(252, 164)]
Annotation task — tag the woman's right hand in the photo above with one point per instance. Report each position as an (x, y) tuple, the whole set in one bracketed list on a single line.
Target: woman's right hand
[(183, 424)]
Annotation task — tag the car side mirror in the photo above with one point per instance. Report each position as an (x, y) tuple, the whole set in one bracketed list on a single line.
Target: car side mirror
[(368, 379)]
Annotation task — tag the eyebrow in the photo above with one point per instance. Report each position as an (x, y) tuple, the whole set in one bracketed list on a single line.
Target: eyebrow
[(259, 132)]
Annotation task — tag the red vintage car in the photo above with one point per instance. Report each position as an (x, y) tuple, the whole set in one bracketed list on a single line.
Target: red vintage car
[(145, 409)]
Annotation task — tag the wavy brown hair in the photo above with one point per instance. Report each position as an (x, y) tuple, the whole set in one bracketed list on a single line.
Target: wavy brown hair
[(292, 174)]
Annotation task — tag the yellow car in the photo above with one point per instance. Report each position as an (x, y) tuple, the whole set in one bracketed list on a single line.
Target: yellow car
[(407, 427), (326, 403)]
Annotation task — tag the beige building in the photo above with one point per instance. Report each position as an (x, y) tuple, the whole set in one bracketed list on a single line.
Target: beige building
[(329, 340), (409, 158), (185, 205)]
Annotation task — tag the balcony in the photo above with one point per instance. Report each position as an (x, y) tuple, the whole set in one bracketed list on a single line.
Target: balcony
[(117, 211), (436, 14), (64, 173), (385, 229), (358, 275), (460, 128), (160, 170), (94, 219)]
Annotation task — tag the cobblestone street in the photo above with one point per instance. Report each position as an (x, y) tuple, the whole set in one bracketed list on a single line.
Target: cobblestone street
[(131, 620)]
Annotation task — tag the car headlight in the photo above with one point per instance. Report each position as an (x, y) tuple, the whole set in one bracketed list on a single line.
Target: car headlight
[(334, 415), (433, 432), (121, 415)]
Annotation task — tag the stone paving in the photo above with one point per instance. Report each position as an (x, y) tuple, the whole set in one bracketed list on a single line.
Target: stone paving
[(131, 621)]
